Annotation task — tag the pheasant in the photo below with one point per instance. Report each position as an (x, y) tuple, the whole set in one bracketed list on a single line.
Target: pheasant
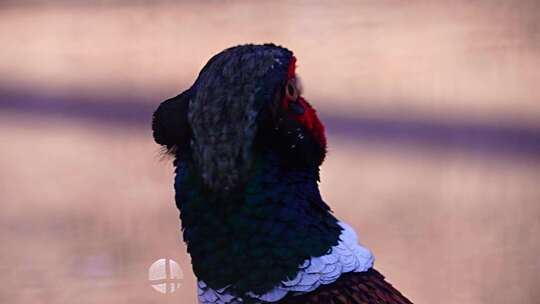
[(247, 149)]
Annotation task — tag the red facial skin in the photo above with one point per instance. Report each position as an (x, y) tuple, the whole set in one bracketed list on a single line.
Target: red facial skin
[(309, 118)]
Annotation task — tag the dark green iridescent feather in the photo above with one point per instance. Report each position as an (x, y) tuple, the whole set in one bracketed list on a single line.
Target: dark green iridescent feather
[(258, 235)]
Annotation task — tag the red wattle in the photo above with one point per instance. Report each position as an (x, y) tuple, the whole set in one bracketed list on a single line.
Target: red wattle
[(309, 119)]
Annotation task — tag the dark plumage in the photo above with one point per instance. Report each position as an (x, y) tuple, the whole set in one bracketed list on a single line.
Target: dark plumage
[(257, 236), (247, 151), (354, 287)]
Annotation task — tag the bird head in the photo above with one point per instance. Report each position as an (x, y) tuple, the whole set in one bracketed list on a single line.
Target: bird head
[(247, 100)]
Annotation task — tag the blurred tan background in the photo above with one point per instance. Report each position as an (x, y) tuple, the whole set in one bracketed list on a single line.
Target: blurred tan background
[(432, 109)]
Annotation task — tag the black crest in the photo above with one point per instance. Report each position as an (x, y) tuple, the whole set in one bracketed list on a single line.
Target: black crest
[(170, 125)]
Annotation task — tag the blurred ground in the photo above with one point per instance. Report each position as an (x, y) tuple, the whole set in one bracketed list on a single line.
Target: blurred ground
[(432, 107)]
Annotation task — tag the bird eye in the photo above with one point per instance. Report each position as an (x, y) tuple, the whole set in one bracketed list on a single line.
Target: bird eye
[(290, 90)]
